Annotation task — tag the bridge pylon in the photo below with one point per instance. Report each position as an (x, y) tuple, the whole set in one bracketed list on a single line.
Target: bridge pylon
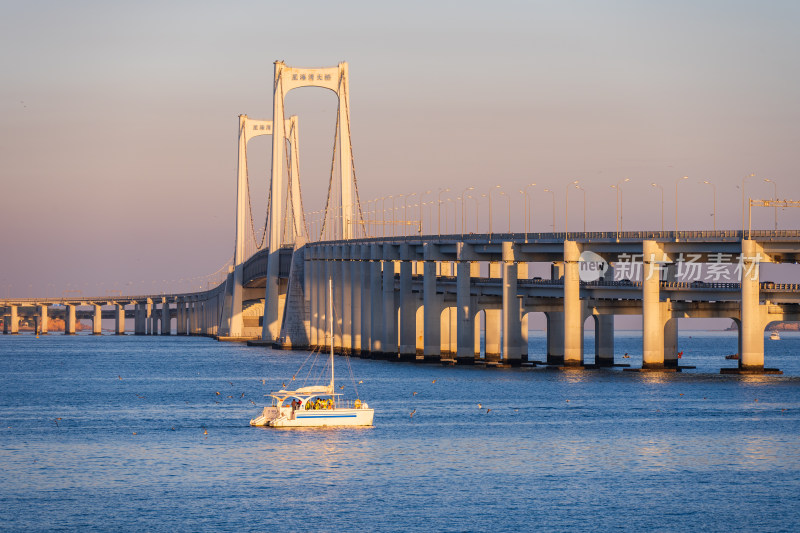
[(232, 323), (287, 78)]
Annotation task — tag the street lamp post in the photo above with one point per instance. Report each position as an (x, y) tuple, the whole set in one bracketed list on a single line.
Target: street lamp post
[(420, 209), (439, 214), (463, 214), (713, 203), (490, 210), (775, 188), (509, 209), (476, 210), (584, 206), (553, 227), (368, 222), (744, 210), (619, 209), (405, 212), (676, 204), (484, 195), (530, 211), (394, 223), (383, 213), (566, 208), (455, 212), (662, 203)]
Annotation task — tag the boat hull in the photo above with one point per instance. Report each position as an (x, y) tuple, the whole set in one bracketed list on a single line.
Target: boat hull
[(318, 418)]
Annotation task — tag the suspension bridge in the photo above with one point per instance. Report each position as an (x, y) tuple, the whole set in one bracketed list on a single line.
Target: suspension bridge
[(461, 298)]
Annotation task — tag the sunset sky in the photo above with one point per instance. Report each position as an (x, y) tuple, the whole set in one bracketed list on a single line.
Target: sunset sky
[(119, 120)]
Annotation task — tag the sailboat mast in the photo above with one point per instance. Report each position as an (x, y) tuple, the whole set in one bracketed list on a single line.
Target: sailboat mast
[(330, 314)]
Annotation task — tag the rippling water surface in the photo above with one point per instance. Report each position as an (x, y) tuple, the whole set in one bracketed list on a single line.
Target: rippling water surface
[(100, 433)]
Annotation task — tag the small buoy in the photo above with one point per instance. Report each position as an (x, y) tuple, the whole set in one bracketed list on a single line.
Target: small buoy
[(205, 432), (434, 381), (480, 406)]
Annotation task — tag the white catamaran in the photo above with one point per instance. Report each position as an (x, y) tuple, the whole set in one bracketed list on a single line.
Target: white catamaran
[(315, 406)]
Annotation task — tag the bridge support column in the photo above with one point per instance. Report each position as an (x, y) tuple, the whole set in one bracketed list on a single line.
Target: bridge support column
[(137, 318), (14, 320), (364, 283), (236, 328), (69, 320), (353, 267), (377, 320), (312, 273), (97, 320), (271, 326), (555, 337), (555, 323), (493, 322), (190, 317), (751, 358), (465, 327), (652, 320), (148, 312), (604, 340), (391, 309), (166, 329), (181, 311), (671, 343), (431, 311), (522, 273), (573, 315), (119, 319), (336, 275), (408, 310), (42, 320), (511, 350), (671, 326), (11, 321), (345, 301)]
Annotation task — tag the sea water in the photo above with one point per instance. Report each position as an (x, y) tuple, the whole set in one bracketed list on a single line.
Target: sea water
[(131, 433)]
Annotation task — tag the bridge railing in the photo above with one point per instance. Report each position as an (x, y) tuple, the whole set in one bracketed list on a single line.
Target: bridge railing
[(725, 235)]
